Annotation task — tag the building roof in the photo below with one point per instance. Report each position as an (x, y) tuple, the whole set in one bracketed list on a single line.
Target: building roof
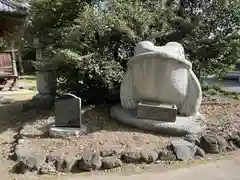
[(12, 14), (12, 7)]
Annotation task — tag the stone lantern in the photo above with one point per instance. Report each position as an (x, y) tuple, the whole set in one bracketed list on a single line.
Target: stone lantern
[(46, 79)]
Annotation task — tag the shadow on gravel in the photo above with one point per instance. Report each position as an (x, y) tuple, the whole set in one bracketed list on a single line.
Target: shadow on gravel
[(12, 117)]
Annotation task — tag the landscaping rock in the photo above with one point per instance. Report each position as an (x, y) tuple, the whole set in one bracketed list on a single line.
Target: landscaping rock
[(234, 135), (72, 164), (28, 154), (107, 152), (30, 161), (4, 101), (148, 156), (30, 131), (46, 168), (131, 156), (192, 138), (112, 150), (226, 136), (64, 164), (91, 160), (184, 150), (111, 162), (222, 144), (235, 139), (237, 142), (166, 155), (213, 144), (231, 146), (200, 152), (19, 168), (209, 143), (58, 162)]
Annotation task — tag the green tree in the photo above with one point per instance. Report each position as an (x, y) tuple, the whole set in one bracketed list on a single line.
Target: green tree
[(209, 32), (108, 30)]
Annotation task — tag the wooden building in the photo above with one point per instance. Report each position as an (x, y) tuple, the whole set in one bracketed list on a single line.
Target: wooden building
[(12, 16)]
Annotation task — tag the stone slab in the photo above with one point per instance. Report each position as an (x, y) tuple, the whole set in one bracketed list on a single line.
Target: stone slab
[(68, 111), (181, 127), (64, 132), (157, 111)]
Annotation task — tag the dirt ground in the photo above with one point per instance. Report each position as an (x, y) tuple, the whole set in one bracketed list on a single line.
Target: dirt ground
[(103, 131)]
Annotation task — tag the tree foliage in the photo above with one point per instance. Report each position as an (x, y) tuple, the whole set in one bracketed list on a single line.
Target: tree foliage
[(108, 31), (209, 31)]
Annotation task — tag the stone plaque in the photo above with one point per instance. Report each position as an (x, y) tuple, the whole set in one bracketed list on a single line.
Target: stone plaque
[(68, 111), (157, 111)]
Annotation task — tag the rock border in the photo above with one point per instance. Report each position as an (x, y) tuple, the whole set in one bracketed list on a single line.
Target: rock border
[(183, 149), (215, 139)]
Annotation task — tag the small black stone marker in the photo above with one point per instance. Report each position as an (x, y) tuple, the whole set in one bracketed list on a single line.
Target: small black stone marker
[(68, 111), (68, 120)]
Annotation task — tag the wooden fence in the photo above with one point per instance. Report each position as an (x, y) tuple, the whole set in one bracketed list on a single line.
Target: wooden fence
[(5, 60)]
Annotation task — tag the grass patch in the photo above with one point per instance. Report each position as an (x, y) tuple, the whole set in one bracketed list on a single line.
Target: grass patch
[(29, 80), (215, 90)]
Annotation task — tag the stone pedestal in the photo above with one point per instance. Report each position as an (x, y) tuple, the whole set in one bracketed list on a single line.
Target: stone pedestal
[(46, 87), (181, 127), (65, 132)]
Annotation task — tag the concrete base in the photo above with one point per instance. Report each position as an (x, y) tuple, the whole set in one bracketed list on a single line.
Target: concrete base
[(39, 101), (181, 127), (64, 132)]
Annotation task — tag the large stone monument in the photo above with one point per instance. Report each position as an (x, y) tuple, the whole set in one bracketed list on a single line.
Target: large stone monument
[(160, 92)]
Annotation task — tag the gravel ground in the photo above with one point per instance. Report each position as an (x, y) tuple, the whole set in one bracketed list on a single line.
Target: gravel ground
[(221, 115), (103, 132)]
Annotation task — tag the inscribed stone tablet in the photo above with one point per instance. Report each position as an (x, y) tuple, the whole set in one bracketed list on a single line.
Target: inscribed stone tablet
[(68, 111), (157, 111)]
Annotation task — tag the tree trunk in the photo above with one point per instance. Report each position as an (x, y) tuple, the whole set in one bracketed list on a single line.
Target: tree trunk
[(20, 64), (20, 47), (14, 65)]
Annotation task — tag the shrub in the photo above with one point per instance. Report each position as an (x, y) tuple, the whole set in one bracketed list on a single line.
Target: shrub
[(94, 78), (208, 30)]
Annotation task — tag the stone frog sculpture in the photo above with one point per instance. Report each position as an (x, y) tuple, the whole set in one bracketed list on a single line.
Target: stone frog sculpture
[(161, 74)]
